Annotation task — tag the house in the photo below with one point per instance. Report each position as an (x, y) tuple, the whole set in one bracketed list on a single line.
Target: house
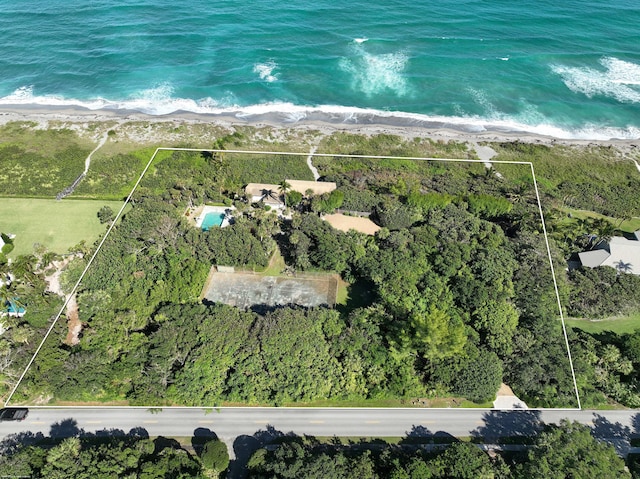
[(271, 194), (315, 187), (620, 253), (268, 194)]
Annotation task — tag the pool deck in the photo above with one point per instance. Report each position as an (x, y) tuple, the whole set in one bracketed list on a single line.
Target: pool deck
[(201, 212)]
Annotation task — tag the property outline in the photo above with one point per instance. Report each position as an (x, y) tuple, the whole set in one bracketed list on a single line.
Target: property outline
[(322, 155)]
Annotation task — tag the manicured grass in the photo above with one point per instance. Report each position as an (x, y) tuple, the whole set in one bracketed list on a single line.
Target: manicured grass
[(58, 225), (276, 265), (627, 226), (618, 325)]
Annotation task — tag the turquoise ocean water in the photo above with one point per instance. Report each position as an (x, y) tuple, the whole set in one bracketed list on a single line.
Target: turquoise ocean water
[(565, 68)]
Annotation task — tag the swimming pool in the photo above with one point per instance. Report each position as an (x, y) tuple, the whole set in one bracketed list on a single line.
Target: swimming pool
[(212, 219)]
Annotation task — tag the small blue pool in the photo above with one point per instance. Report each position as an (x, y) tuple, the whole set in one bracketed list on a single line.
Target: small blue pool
[(212, 219)]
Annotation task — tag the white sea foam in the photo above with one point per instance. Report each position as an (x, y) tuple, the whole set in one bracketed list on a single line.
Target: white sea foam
[(376, 74), (360, 40), (617, 80), (22, 93), (265, 71), (158, 101)]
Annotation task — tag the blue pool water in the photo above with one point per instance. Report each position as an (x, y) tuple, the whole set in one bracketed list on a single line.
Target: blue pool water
[(212, 219)]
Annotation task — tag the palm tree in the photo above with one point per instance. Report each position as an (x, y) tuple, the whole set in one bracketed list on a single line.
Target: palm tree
[(267, 193), (285, 187), (604, 231)]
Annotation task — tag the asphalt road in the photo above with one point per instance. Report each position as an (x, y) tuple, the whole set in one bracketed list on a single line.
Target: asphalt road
[(244, 430), (230, 423)]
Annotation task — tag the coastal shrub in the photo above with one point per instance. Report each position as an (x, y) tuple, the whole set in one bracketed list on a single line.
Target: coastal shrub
[(601, 292), (479, 378), (392, 214), (428, 201), (215, 456)]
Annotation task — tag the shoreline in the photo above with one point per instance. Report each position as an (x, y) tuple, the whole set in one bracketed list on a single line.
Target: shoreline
[(403, 127)]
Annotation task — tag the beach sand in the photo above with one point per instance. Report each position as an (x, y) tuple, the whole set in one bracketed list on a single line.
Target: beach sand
[(165, 130)]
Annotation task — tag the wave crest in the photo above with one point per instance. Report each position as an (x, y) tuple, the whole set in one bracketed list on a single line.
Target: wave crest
[(265, 71), (158, 101), (375, 74), (617, 80)]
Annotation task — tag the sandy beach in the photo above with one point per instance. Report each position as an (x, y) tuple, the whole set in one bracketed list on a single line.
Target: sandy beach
[(164, 130)]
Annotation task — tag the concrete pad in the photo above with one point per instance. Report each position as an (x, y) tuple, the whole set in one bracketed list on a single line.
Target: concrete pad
[(506, 399), (245, 290), (345, 223)]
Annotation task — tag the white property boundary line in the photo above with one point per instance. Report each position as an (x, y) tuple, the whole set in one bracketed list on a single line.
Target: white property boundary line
[(322, 155)]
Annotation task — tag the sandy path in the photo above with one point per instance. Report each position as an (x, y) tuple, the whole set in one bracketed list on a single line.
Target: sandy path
[(73, 318), (485, 153), (314, 170), (73, 322), (87, 162), (637, 164)]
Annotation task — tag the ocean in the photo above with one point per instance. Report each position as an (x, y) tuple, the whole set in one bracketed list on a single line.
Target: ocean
[(569, 69)]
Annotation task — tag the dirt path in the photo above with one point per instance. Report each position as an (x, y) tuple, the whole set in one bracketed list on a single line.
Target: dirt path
[(73, 319), (87, 161), (314, 170), (73, 322)]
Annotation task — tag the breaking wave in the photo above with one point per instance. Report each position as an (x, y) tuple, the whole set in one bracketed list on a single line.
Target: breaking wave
[(619, 79), (159, 101), (375, 74)]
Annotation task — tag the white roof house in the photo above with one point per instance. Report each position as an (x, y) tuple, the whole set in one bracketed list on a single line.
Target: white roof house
[(268, 194), (272, 195), (621, 253)]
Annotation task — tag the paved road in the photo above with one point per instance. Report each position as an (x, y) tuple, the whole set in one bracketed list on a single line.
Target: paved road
[(229, 423), (246, 429)]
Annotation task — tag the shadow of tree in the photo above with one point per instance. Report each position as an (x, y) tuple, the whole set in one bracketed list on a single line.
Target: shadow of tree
[(161, 443), (244, 446), (201, 436), (417, 435), (65, 428), (12, 443), (635, 425), (138, 433), (615, 434), (515, 423)]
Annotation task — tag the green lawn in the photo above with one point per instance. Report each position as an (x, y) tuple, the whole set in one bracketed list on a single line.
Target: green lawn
[(58, 225), (622, 325), (628, 226)]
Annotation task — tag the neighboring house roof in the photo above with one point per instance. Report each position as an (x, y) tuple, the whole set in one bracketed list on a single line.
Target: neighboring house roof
[(594, 258), (621, 253), (318, 187)]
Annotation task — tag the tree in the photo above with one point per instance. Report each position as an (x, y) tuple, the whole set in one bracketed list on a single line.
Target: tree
[(285, 187), (568, 450), (479, 378), (105, 214), (437, 335), (464, 460), (215, 456)]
